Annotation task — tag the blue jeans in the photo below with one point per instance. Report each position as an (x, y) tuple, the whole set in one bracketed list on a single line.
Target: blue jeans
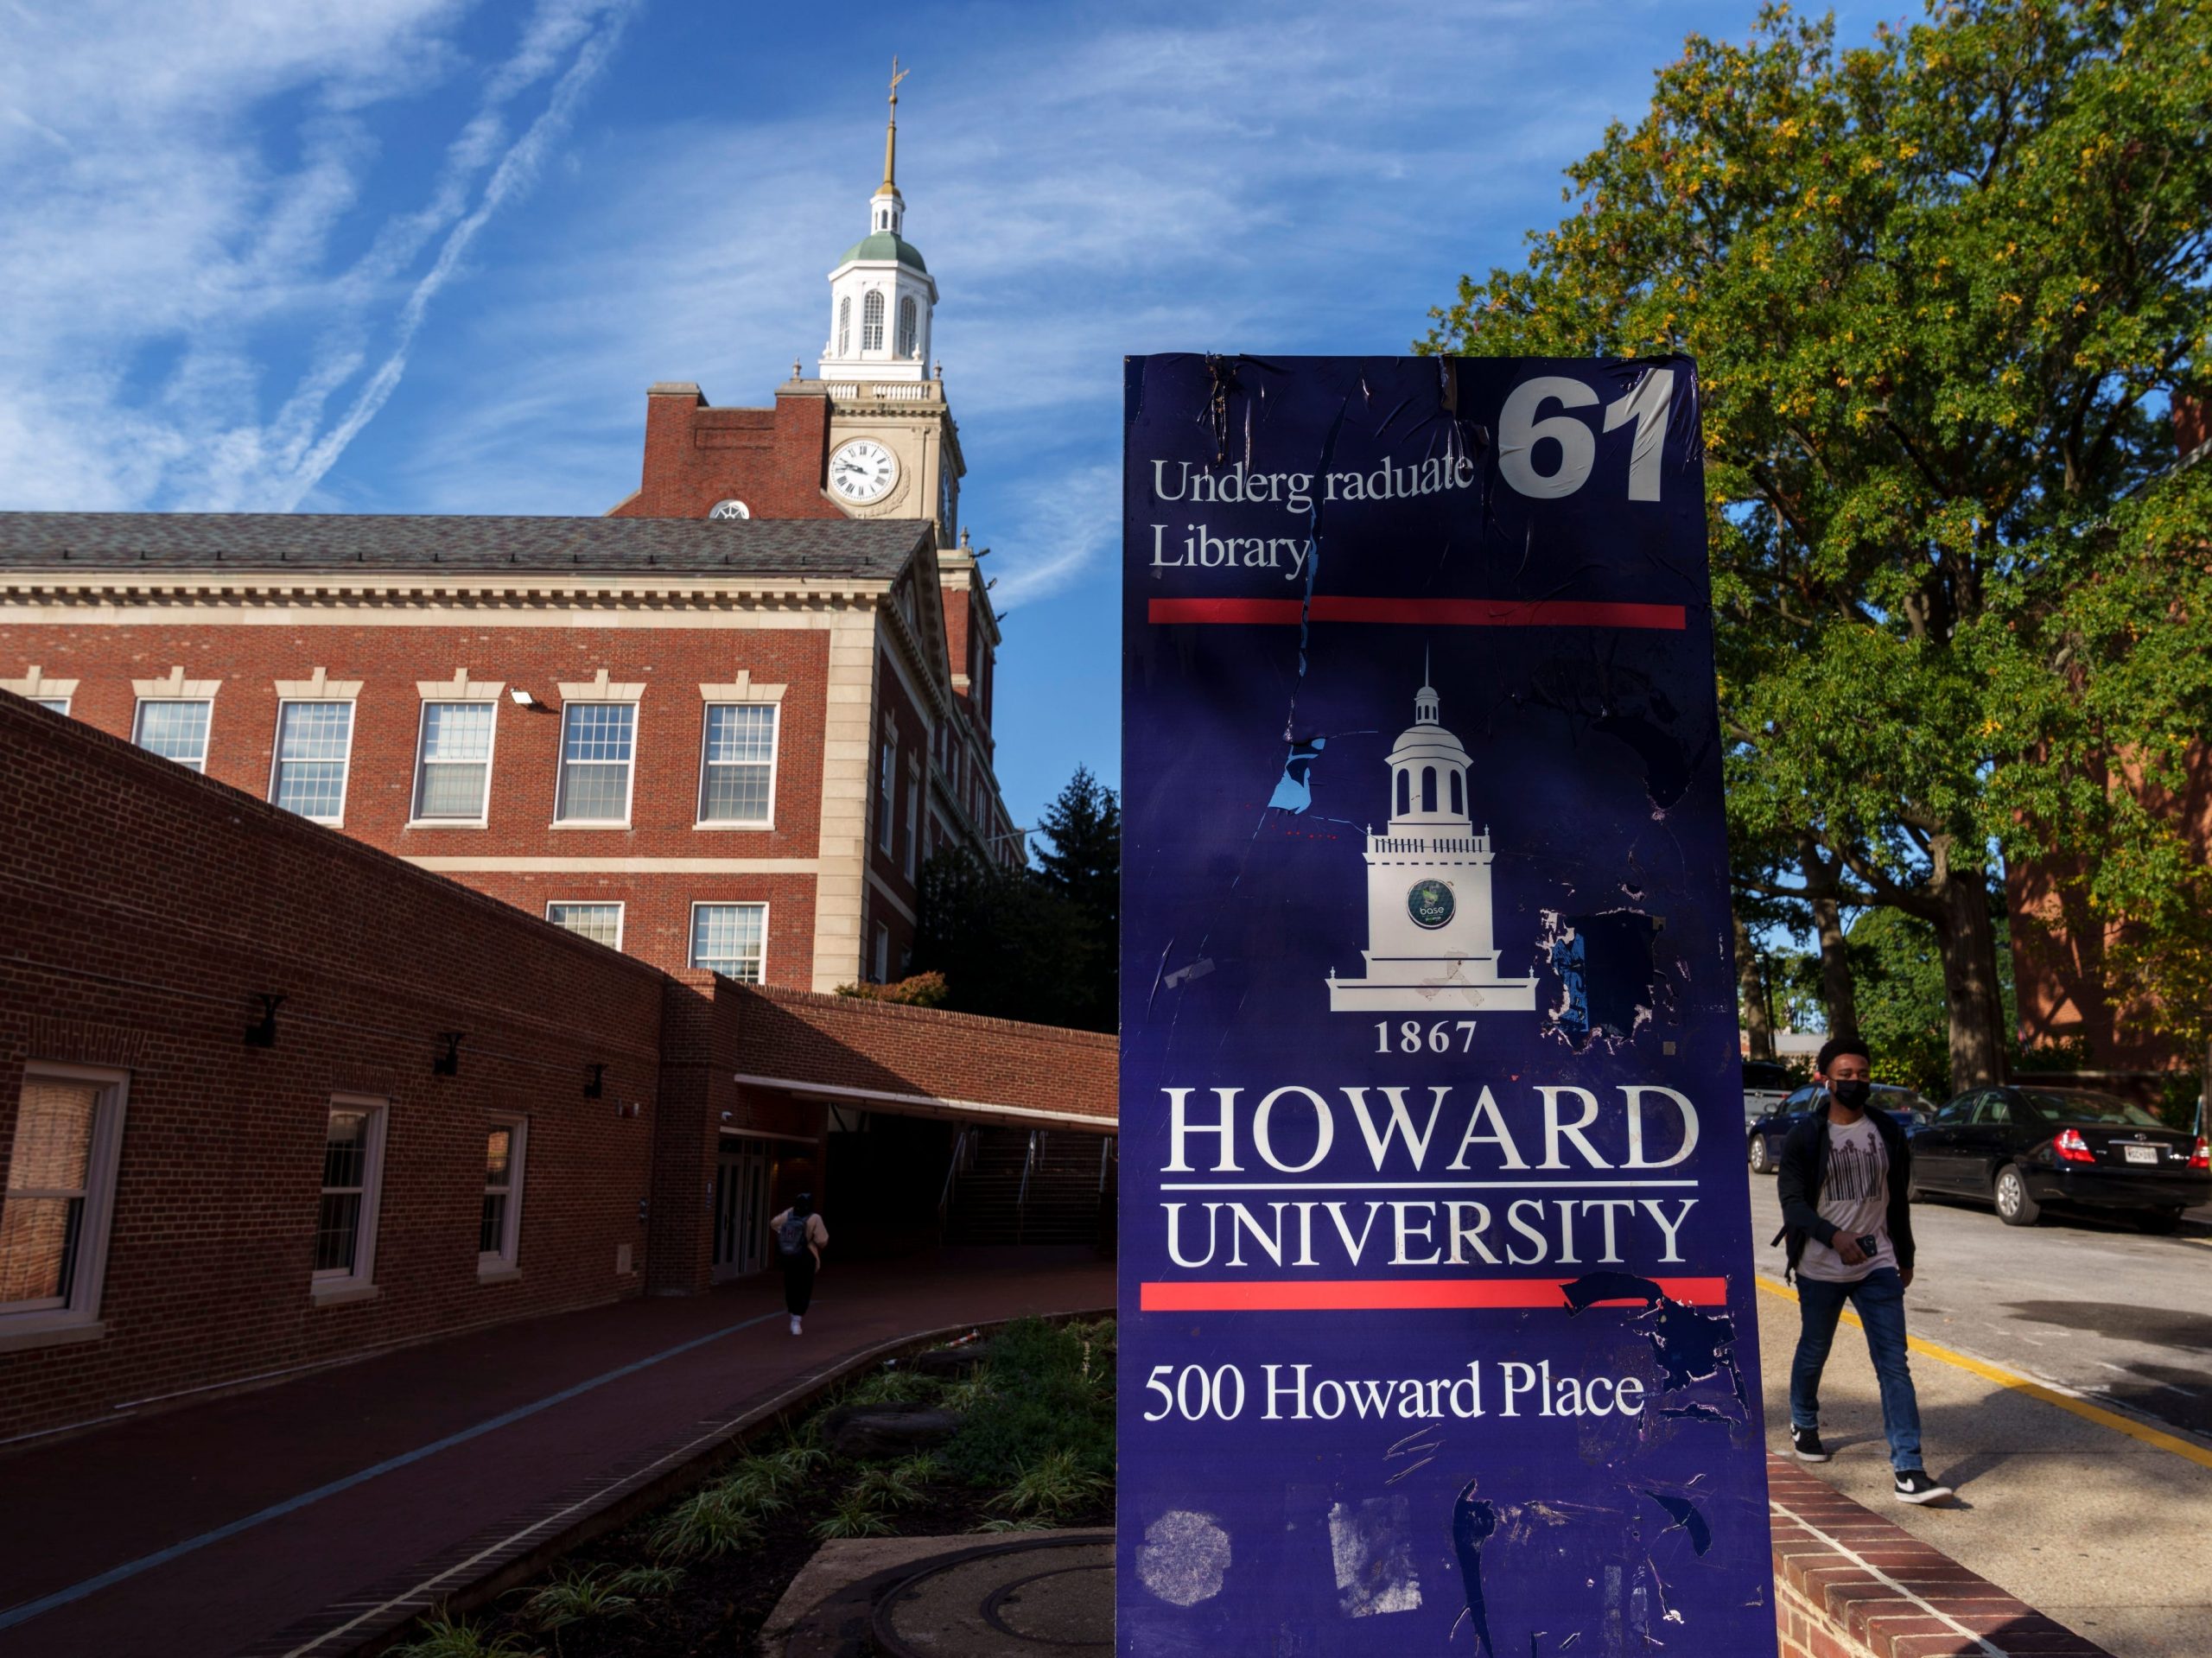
[(1879, 1299)]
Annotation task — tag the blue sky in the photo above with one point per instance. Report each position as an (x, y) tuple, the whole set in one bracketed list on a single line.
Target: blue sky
[(417, 256)]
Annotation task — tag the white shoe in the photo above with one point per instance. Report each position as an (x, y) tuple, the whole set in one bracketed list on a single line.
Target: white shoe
[(794, 1323)]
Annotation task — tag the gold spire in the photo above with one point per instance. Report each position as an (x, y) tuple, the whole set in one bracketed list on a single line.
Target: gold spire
[(890, 131)]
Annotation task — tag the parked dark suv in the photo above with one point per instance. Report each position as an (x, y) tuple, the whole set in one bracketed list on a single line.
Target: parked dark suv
[(1763, 1139), (2019, 1148)]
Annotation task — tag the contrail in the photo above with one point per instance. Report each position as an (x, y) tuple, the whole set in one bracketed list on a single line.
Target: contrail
[(514, 173)]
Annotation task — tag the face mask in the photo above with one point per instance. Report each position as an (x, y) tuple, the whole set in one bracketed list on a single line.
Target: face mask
[(1854, 1094)]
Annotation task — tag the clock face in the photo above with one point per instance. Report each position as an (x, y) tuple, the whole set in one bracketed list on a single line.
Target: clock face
[(863, 471)]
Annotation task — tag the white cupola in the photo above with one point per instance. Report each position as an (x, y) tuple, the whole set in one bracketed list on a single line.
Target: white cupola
[(881, 293), (1429, 772)]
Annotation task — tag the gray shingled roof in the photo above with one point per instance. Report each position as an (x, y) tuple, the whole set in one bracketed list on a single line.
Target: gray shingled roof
[(861, 549)]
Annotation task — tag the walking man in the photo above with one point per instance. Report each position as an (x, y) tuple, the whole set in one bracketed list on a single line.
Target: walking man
[(1843, 1181)]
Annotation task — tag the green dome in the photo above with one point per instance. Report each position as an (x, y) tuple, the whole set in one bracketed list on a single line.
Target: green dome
[(884, 246)]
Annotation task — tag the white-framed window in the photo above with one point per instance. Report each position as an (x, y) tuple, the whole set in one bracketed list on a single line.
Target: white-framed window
[(909, 326), (845, 326), (882, 974), (600, 923), (500, 1233), (872, 320), (598, 747), (731, 939), (51, 704), (315, 741), (59, 1199), (913, 810), (175, 728), (353, 1179), (737, 767), (886, 794), (453, 762)]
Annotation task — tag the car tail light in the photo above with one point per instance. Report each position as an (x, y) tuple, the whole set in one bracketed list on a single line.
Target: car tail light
[(2201, 1157), (2071, 1147)]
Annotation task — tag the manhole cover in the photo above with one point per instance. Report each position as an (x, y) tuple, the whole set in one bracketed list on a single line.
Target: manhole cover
[(1053, 1597)]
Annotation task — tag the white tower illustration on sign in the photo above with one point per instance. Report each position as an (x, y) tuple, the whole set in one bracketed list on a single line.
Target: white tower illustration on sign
[(1429, 948)]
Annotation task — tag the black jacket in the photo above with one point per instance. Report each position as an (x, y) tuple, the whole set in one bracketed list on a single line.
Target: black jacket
[(1797, 1182)]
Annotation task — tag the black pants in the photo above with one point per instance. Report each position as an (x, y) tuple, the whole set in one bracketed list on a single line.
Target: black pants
[(799, 1282)]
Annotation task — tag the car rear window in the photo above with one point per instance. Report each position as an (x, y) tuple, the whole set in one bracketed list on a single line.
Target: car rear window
[(2090, 1108), (1759, 1074), (1901, 1099)]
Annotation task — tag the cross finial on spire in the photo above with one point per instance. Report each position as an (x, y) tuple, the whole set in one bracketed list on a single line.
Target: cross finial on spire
[(891, 130)]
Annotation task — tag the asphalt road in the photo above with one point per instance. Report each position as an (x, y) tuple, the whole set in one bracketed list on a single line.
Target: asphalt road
[(2092, 1305)]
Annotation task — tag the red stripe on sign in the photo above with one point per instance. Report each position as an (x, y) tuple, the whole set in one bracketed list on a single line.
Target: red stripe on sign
[(1426, 612), (1282, 1295)]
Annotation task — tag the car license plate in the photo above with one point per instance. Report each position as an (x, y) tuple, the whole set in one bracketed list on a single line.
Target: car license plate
[(2141, 1153)]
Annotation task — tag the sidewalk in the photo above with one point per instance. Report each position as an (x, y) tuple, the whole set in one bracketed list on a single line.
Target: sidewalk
[(2106, 1532), (199, 1531)]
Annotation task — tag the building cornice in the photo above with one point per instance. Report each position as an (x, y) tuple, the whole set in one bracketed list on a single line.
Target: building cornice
[(532, 590)]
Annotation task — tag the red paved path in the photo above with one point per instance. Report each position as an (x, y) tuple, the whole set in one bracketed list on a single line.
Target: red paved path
[(83, 1506)]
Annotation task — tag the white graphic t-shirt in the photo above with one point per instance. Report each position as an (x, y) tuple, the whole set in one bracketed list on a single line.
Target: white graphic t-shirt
[(1854, 1199)]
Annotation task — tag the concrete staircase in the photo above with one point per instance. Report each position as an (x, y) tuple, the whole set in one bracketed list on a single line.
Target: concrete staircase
[(1009, 1185)]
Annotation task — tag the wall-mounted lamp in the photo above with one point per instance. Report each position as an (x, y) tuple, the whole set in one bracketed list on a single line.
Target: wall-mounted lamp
[(449, 1063), (523, 699), (262, 1034), (596, 1085)]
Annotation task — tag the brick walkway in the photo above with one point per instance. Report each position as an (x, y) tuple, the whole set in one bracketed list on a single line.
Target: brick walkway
[(208, 1530)]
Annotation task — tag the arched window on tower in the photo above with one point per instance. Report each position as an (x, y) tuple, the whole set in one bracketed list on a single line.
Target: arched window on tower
[(845, 327), (1428, 788), (1405, 792), (872, 320), (1459, 803), (909, 326)]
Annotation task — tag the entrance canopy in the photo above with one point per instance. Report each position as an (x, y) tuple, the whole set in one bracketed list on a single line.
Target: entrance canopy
[(883, 1057)]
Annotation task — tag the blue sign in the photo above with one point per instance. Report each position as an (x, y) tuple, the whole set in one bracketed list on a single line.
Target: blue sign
[(1436, 1325)]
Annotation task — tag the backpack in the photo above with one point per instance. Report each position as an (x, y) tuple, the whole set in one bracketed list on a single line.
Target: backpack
[(790, 1236)]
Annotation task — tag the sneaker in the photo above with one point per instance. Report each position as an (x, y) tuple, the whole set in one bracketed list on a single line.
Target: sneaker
[(1917, 1485), (1806, 1443), (794, 1323)]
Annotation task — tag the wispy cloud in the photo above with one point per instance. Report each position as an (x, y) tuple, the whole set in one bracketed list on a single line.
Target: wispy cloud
[(181, 319)]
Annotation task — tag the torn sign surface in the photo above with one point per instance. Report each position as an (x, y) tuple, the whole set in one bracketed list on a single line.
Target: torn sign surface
[(1434, 1242)]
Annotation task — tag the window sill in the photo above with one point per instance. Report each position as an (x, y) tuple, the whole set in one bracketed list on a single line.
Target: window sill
[(498, 1273), (335, 1292), (59, 1332), (602, 824), (445, 823), (747, 828)]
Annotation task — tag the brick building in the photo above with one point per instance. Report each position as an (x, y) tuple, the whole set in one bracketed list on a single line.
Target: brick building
[(270, 1098), (721, 727), (2062, 983), (711, 744)]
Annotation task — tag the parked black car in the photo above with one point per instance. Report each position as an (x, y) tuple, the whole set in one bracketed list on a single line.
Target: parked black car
[(1763, 1143), (2019, 1148)]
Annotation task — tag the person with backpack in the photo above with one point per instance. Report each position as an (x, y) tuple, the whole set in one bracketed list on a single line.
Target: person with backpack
[(800, 1239), (1844, 1181)]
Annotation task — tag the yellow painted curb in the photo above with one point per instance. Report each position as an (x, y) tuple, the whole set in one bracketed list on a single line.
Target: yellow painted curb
[(2014, 1379)]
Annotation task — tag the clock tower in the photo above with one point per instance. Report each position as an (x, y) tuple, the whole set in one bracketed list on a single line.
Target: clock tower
[(1429, 945), (894, 451)]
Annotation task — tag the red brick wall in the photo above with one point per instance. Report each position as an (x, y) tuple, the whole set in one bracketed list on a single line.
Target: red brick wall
[(672, 662), (894, 706), (142, 908), (889, 1049), (773, 459)]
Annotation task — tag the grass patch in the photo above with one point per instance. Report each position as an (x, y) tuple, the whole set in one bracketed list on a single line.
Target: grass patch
[(1035, 1449)]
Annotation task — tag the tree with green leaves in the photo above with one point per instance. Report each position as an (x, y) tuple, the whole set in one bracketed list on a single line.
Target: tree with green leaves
[(1084, 858), (1941, 289)]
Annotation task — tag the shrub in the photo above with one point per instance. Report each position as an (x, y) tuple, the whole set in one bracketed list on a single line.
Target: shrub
[(442, 1637), (704, 1524), (574, 1597), (1051, 1390)]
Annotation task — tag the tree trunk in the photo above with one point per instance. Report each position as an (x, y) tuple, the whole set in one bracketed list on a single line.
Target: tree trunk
[(1839, 990), (1968, 944), (1750, 994)]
